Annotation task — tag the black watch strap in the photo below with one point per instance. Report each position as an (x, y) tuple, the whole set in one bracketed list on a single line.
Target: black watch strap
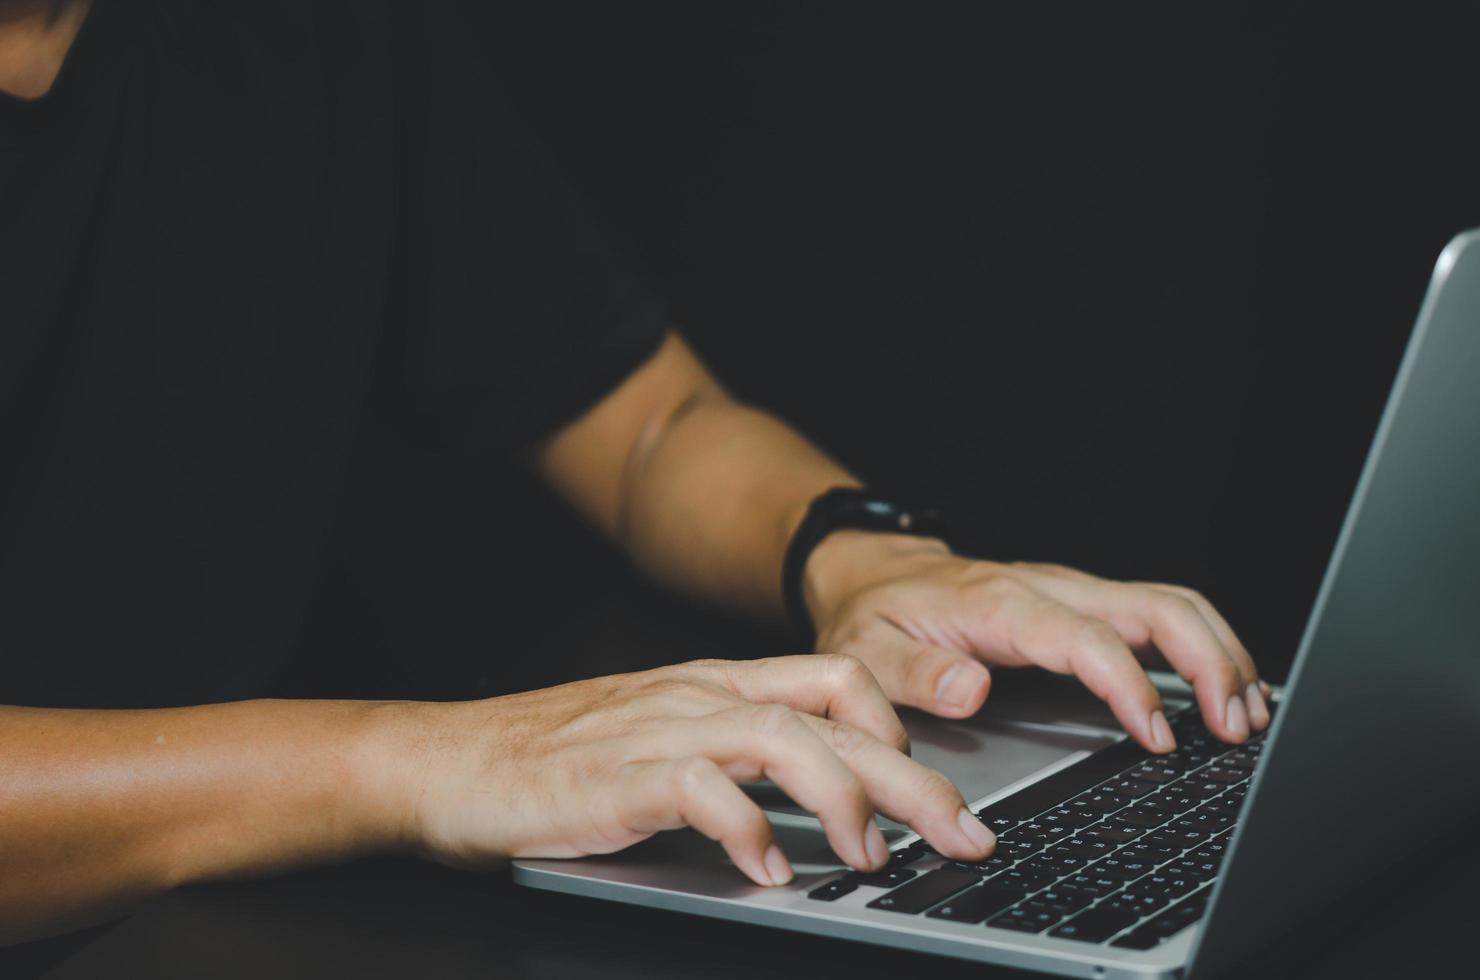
[(837, 509)]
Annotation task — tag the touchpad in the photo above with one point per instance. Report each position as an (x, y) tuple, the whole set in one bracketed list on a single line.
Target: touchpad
[(1031, 721)]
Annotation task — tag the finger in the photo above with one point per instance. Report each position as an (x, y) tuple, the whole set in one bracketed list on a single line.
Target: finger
[(949, 683), (770, 741), (1192, 648), (1256, 694), (906, 791), (694, 792), (1048, 633), (829, 685), (1173, 625)]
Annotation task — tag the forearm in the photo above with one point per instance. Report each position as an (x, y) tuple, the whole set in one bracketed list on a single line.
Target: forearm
[(100, 808), (705, 493), (714, 505)]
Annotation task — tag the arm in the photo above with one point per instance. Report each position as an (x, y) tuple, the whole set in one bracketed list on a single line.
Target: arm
[(704, 493), (98, 808), (101, 808)]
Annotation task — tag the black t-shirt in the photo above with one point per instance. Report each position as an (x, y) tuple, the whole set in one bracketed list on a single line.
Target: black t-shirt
[(229, 234)]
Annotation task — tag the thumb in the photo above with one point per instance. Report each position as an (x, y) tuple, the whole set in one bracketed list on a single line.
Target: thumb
[(944, 682)]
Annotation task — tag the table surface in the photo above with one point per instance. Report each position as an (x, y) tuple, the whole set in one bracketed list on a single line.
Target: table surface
[(400, 917)]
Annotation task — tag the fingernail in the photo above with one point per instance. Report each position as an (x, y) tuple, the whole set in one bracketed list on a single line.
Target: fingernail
[(873, 843), (976, 832), (1237, 718), (1161, 732), (777, 866), (958, 686), (1258, 711)]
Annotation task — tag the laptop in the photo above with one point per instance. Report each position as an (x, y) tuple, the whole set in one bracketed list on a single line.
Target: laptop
[(1115, 863)]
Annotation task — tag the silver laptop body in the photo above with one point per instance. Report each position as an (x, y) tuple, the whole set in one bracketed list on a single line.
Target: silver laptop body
[(1387, 679)]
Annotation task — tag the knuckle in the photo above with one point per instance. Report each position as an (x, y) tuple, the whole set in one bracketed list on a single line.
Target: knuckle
[(847, 740), (935, 789), (1002, 587), (1098, 635), (771, 720), (689, 776), (845, 672), (1173, 607)]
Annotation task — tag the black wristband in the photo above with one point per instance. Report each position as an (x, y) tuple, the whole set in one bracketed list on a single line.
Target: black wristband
[(841, 508)]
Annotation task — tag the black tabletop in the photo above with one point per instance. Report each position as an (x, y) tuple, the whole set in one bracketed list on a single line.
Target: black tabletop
[(401, 917)]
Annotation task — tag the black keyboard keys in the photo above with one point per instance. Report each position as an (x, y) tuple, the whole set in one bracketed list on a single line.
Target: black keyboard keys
[(885, 877), (977, 904), (1095, 925), (834, 889), (1024, 919), (1167, 924), (929, 889)]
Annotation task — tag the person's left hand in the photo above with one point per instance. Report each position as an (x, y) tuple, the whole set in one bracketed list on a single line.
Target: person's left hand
[(929, 624)]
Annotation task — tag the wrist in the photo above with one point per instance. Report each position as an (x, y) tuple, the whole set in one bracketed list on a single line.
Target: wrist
[(850, 561), (390, 752)]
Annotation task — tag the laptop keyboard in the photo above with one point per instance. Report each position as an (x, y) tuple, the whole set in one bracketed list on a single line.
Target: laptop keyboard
[(1121, 847)]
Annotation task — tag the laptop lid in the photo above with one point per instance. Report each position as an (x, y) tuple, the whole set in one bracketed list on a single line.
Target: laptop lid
[(1376, 747)]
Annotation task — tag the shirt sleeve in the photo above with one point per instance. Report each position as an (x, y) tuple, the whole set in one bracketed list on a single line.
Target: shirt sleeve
[(516, 313)]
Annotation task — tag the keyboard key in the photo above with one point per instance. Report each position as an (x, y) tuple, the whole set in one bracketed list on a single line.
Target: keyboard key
[(1168, 886), (1028, 879), (1189, 867), (929, 889), (1101, 802), (1090, 884), (1166, 924), (905, 855), (1133, 788), (1000, 825), (1142, 901), (1055, 864), (1025, 920), (834, 889), (1205, 823), (1173, 800), (1016, 848), (1095, 925), (1111, 832), (1144, 850), (1242, 759), (977, 904), (1044, 830), (1089, 850), (1069, 782), (1223, 806), (1116, 866), (989, 866), (1152, 773), (1062, 901), (1212, 851), (885, 877), (1146, 818), (1181, 837), (1201, 788), (1074, 816), (1219, 773)]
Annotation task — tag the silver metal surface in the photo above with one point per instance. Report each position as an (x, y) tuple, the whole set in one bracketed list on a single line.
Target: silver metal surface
[(1377, 747)]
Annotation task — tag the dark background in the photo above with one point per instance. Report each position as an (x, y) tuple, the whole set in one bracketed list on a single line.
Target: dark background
[(1120, 285)]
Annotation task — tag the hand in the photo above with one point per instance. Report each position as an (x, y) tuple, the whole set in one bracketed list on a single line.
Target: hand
[(928, 623), (598, 765)]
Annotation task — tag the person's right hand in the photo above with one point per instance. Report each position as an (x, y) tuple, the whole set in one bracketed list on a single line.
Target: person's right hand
[(598, 765)]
